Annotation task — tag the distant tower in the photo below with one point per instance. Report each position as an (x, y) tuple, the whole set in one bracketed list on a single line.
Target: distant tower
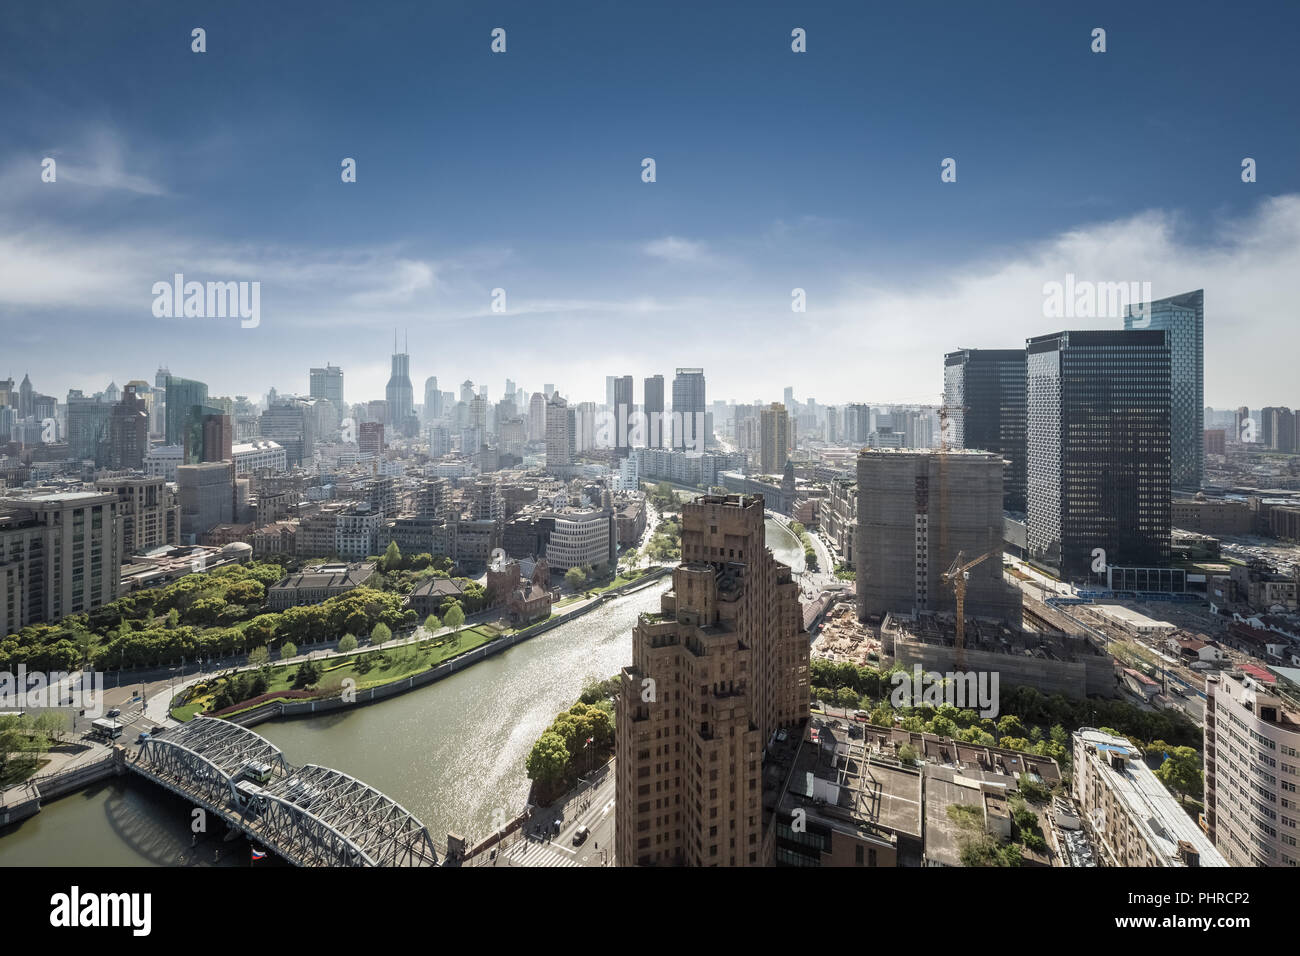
[(400, 394)]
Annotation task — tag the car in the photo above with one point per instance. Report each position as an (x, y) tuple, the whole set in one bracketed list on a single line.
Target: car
[(144, 737), (580, 835), (114, 712)]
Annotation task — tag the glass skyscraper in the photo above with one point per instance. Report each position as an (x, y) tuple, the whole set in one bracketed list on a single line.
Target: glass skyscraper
[(688, 409), (399, 393), (984, 391), (182, 396), (1183, 317), (1097, 435)]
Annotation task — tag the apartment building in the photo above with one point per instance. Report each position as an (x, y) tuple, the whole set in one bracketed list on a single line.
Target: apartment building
[(60, 554), (1131, 815), (1252, 766), (151, 513), (713, 679)]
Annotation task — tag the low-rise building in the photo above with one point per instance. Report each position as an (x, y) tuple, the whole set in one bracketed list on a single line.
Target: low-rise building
[(318, 584)]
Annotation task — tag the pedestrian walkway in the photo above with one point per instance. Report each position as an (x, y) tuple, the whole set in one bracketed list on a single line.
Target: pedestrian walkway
[(536, 853)]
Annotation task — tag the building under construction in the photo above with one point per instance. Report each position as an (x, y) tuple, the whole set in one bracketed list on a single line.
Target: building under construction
[(918, 510), (1051, 662)]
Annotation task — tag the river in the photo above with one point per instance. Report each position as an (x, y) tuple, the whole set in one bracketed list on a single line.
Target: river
[(452, 753)]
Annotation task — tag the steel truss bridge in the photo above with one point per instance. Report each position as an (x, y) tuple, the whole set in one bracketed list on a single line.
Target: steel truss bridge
[(310, 815)]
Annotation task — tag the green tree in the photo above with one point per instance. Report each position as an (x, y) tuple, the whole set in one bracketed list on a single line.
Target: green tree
[(287, 650), (575, 578), (380, 635), (548, 759), (392, 557), (1009, 725), (454, 618), (347, 642), (308, 674), (258, 656), (1181, 772), (431, 623)]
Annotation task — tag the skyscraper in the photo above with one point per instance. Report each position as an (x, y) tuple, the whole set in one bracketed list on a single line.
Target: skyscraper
[(1098, 436), (916, 511), (774, 439), (689, 425), (984, 395), (327, 383), (128, 432), (655, 433), (559, 437), (537, 417), (88, 427), (1183, 317), (432, 399), (183, 394), (399, 393), (713, 678), (622, 411)]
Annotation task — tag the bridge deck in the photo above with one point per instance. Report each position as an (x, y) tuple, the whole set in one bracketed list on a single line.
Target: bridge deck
[(311, 815)]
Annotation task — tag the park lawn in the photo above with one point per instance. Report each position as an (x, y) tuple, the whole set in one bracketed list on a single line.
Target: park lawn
[(187, 712), (399, 662)]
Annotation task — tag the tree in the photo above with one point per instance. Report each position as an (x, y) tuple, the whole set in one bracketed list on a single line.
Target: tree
[(392, 557), (1009, 725), (547, 760), (1181, 772), (380, 635), (454, 618), (347, 643), (287, 650), (431, 623), (308, 674), (258, 656), (575, 578)]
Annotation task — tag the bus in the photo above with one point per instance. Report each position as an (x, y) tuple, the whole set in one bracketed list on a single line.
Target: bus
[(108, 729), (259, 772)]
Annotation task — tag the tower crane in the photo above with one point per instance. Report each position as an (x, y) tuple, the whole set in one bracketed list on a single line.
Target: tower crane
[(957, 575)]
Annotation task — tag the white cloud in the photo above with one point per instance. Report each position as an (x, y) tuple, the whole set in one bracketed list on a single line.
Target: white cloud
[(675, 249)]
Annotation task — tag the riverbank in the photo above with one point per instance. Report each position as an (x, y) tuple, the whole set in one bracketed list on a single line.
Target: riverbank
[(360, 698)]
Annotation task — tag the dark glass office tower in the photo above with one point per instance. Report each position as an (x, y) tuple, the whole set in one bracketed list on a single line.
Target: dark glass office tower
[(1097, 431), (984, 390), (1183, 317), (656, 435), (623, 409)]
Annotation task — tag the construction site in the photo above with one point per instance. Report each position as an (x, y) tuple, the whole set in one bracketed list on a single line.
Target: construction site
[(1050, 662), (843, 638)]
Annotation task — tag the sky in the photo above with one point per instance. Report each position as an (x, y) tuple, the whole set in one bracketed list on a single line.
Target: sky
[(522, 171)]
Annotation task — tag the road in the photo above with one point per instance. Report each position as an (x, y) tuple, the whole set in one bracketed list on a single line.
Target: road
[(593, 809)]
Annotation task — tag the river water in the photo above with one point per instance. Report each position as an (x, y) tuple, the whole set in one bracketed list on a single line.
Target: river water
[(451, 753)]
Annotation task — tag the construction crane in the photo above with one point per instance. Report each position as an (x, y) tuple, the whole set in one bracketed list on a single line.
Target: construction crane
[(957, 575)]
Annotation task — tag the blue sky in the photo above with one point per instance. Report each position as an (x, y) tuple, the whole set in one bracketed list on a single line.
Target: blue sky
[(521, 171)]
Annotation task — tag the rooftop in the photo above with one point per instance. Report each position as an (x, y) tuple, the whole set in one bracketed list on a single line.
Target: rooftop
[(1155, 811)]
